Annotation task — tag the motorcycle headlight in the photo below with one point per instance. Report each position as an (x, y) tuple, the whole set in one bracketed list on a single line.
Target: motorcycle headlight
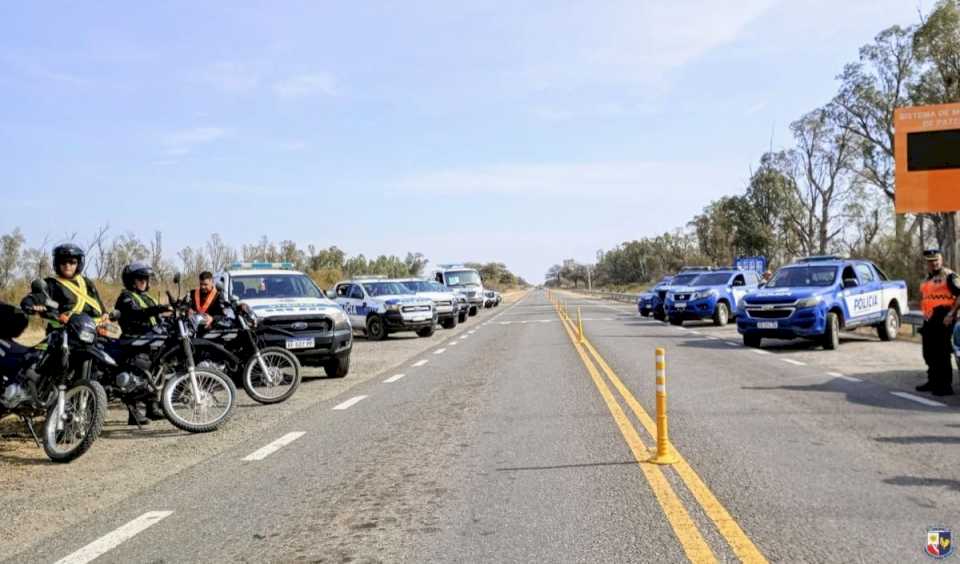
[(809, 302), (87, 335)]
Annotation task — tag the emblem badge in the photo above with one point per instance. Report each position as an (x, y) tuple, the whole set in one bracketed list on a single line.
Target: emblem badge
[(298, 326), (939, 543)]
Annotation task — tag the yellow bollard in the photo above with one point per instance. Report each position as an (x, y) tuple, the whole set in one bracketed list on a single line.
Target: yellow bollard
[(664, 454), (580, 324)]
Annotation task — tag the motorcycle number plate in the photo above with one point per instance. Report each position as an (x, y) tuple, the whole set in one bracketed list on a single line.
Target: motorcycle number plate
[(300, 343), (767, 324)]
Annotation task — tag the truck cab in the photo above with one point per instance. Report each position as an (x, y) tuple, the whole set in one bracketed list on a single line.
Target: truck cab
[(711, 295), (464, 281), (286, 299), (817, 297)]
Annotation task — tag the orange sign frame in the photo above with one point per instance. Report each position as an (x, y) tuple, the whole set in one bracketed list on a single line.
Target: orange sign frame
[(928, 190)]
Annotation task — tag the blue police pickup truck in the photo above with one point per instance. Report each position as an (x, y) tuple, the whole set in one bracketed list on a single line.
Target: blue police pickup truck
[(817, 297), (711, 295), (686, 275), (648, 303)]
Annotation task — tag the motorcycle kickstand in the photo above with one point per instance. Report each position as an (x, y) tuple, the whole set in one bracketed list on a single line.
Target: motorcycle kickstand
[(29, 424), (134, 417)]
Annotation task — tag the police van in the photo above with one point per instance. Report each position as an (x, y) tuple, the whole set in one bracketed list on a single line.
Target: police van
[(378, 306), (283, 298), (464, 281), (817, 297)]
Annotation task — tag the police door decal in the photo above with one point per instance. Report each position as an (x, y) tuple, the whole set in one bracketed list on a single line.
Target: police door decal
[(864, 304)]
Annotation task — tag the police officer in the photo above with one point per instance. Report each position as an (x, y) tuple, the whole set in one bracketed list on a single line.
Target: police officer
[(207, 300), (74, 292), (139, 312), (938, 301)]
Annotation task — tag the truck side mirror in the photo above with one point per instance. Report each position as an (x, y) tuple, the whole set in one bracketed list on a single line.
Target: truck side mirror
[(850, 283)]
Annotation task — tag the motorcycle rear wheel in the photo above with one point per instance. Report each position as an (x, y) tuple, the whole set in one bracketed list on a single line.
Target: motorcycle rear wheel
[(214, 407)]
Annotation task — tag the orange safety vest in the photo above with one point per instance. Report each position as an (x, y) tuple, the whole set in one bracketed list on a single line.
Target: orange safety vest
[(935, 293), (206, 304)]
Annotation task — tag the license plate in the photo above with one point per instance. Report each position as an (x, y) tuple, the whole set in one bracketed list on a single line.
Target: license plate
[(300, 343), (680, 306), (767, 324)]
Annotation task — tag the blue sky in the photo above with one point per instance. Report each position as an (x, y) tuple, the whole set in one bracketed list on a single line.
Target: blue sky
[(522, 132)]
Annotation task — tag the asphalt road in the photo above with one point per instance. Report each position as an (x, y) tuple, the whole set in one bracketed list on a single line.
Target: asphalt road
[(516, 443)]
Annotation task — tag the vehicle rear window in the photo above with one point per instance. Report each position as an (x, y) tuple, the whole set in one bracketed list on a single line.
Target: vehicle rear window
[(800, 276)]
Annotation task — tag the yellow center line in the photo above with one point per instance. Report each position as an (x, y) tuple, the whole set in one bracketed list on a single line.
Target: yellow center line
[(742, 546), (684, 528)]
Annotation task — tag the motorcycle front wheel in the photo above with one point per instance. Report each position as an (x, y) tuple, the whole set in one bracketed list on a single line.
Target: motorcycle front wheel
[(280, 380), (203, 412), (70, 433)]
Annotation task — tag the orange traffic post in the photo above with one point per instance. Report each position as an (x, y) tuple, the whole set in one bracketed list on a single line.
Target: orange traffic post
[(665, 454)]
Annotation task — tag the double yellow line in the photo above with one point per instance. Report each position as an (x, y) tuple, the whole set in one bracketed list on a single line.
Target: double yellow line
[(687, 532)]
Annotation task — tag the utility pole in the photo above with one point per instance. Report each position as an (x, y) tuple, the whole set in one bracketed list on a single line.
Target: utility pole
[(589, 278)]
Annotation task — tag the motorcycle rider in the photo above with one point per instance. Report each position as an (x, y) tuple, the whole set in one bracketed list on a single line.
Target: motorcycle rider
[(74, 292), (207, 300), (139, 314)]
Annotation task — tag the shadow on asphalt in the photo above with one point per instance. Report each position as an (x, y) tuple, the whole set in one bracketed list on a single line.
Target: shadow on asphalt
[(881, 400), (920, 440), (567, 466), (132, 433), (918, 481)]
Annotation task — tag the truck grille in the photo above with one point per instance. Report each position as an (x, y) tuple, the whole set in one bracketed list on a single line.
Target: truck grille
[(320, 323), (777, 313), (681, 297), (411, 309), (444, 303)]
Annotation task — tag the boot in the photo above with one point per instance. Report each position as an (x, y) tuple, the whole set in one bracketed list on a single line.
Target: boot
[(154, 412), (925, 387), (134, 416), (948, 391)]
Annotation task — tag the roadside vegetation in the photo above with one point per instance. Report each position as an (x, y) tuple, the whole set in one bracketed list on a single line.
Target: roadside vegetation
[(832, 190)]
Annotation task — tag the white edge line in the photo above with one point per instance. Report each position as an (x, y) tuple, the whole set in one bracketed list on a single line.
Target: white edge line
[(918, 399), (393, 379), (793, 362), (350, 403), (759, 351), (731, 344), (439, 351), (420, 363), (454, 343), (111, 540), (273, 447)]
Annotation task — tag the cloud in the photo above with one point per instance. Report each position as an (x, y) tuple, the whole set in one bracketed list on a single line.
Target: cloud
[(27, 66), (231, 76), (306, 85), (182, 142)]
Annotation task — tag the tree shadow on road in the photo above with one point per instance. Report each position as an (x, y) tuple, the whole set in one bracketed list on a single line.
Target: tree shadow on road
[(920, 440), (920, 481), (875, 397)]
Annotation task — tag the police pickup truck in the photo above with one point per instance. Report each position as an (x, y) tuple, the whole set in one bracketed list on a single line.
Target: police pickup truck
[(378, 307), (686, 276), (816, 297), (286, 299), (648, 303), (711, 295), (464, 281), (445, 301)]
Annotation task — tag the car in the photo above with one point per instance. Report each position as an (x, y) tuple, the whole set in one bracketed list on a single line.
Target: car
[(686, 275), (491, 298), (445, 301), (817, 297), (378, 307), (711, 295), (649, 302), (286, 299), (463, 280)]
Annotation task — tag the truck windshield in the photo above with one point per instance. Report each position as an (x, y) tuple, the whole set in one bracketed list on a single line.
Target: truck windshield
[(800, 276), (684, 279), (712, 279), (274, 286), (386, 289), (462, 277)]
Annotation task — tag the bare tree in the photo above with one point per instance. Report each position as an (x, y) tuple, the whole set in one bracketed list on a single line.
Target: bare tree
[(219, 254), (10, 248), (97, 250)]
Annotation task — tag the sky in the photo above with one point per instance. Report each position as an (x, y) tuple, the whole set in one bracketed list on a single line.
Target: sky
[(518, 132)]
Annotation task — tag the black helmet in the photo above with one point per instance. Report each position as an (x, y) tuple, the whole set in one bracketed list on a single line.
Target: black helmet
[(67, 251), (134, 271)]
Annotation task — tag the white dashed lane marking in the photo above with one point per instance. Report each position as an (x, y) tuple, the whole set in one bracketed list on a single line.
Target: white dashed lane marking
[(439, 351), (844, 377), (350, 403), (759, 351), (793, 362), (420, 363), (393, 379), (107, 542), (273, 447), (731, 344), (918, 399)]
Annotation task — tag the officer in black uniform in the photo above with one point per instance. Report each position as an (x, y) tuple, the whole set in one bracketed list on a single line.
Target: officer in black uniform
[(74, 292), (939, 304)]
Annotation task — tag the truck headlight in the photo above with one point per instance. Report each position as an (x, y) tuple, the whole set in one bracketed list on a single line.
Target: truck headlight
[(703, 295), (393, 307), (809, 302), (339, 317)]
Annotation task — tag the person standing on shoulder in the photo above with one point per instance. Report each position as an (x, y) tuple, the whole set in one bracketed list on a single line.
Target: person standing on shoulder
[(938, 301)]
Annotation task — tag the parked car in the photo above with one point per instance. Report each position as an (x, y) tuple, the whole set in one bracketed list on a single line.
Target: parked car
[(817, 297), (649, 303), (711, 295), (377, 307), (445, 301), (686, 275)]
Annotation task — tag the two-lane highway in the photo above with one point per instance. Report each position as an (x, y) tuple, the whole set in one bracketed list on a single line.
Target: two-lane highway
[(515, 442)]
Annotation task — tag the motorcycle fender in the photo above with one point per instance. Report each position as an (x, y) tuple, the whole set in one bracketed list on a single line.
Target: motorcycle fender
[(101, 356)]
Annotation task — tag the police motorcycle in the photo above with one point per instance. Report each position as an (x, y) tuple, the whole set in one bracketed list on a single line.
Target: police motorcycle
[(52, 381), (160, 365), (268, 374)]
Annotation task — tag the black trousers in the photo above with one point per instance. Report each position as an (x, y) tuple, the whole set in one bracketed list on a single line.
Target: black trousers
[(937, 352)]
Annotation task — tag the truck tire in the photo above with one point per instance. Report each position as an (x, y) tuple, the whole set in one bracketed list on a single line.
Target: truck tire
[(462, 316), (721, 314), (450, 322), (676, 321), (376, 328), (338, 366), (890, 328), (427, 331), (752, 340), (831, 337), (473, 311), (659, 315)]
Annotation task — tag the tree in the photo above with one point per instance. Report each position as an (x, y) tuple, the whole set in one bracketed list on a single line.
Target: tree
[(219, 254), (11, 246)]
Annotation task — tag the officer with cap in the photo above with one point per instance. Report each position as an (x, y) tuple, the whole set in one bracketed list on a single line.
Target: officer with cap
[(938, 301)]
